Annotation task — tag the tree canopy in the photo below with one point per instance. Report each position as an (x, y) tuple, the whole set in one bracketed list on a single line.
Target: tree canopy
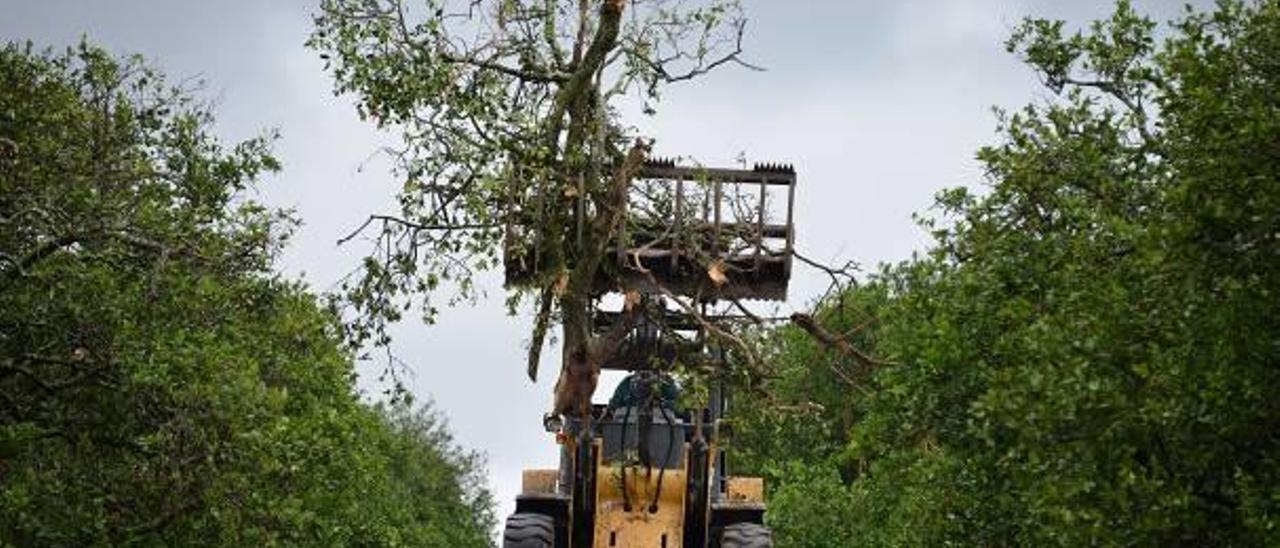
[(1087, 354), (160, 384), (513, 147)]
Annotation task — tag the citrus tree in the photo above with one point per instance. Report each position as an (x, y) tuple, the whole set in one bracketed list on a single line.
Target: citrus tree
[(160, 384), (1086, 355)]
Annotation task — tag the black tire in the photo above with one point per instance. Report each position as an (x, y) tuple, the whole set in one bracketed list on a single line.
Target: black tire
[(529, 531), (746, 535)]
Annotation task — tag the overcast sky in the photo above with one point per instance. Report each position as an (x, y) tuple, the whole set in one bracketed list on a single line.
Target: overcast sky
[(879, 104)]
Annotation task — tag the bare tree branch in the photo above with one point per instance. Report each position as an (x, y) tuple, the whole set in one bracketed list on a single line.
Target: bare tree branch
[(413, 225), (840, 344)]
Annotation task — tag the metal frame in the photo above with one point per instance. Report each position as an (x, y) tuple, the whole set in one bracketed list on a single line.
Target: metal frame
[(762, 273)]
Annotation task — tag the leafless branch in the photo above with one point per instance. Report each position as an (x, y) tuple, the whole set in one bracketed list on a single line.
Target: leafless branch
[(842, 345), (753, 362), (413, 225)]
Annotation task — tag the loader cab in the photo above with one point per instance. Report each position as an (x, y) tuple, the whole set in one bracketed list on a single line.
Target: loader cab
[(639, 478), (642, 471)]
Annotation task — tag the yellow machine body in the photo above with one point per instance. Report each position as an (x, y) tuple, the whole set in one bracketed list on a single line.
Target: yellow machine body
[(617, 527)]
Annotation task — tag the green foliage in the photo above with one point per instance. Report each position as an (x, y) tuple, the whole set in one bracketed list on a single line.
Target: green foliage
[(1087, 356), (160, 385), (812, 508)]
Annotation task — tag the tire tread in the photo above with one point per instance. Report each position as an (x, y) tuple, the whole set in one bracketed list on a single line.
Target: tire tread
[(529, 531), (746, 535)]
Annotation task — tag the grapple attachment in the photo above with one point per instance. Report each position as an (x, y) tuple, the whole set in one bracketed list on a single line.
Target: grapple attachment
[(704, 233)]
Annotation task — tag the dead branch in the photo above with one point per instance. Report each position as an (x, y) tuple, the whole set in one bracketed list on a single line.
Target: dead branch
[(840, 344), (540, 325), (840, 276), (753, 363), (607, 344)]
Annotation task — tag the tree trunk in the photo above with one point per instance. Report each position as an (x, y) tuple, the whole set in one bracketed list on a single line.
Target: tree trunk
[(584, 354), (578, 374)]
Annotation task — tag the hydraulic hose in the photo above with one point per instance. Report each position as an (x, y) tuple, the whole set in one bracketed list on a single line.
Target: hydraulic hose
[(626, 497), (671, 444)]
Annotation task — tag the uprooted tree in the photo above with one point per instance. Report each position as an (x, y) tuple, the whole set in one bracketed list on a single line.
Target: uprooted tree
[(509, 132)]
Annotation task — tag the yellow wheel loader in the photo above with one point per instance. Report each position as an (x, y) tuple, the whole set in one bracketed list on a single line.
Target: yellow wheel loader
[(639, 472), (639, 475)]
